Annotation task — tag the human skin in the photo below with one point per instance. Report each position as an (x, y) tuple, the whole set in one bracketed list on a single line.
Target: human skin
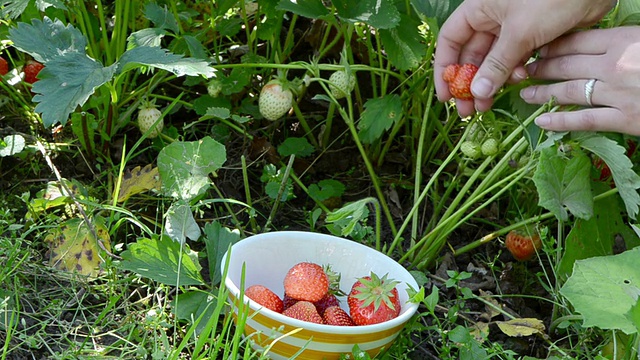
[(499, 36), (612, 57)]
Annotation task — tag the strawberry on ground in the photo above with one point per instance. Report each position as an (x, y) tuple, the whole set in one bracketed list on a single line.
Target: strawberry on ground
[(31, 71), (373, 300), (306, 281), (4, 66), (305, 311), (265, 297), (275, 100), (459, 78), (522, 245), (334, 315)]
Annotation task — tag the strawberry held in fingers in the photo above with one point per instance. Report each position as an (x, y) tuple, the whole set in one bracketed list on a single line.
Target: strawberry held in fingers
[(373, 300), (265, 297), (459, 78)]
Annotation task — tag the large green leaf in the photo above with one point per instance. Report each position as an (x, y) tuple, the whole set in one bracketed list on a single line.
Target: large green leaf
[(614, 155), (185, 166), (218, 239), (436, 9), (597, 235), (563, 184), (379, 115), (162, 59), (404, 45), (161, 17), (604, 290), (163, 260), (66, 83), (180, 223), (146, 37), (46, 39), (381, 14), (313, 9)]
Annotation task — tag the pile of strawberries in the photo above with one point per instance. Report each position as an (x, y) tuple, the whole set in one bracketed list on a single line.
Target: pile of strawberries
[(311, 294)]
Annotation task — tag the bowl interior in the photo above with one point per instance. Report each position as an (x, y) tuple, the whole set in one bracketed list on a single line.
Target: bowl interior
[(269, 256)]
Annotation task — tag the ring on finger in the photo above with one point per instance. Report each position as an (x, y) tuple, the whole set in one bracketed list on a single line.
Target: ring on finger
[(588, 90)]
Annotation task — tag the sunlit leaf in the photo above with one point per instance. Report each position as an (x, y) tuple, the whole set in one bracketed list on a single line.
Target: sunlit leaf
[(180, 223), (146, 37), (437, 9), (521, 327), (381, 14), (162, 59), (74, 248), (47, 39), (604, 289), (137, 180), (13, 144), (313, 9)]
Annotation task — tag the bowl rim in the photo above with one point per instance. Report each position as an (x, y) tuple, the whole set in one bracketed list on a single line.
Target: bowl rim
[(408, 308)]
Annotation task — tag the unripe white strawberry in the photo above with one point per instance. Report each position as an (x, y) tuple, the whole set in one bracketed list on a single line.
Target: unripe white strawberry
[(274, 101), (341, 84), (214, 87), (147, 117), (470, 149), (489, 147)]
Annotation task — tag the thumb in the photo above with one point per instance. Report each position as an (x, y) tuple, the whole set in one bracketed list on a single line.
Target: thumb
[(498, 65)]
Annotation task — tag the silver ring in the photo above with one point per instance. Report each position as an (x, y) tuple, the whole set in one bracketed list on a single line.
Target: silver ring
[(588, 90)]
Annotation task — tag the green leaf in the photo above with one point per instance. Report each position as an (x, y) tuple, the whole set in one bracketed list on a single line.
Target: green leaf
[(196, 49), (13, 9), (218, 112), (217, 239), (349, 215), (326, 189), (627, 13), (193, 304), (146, 37), (438, 9), (597, 235), (163, 260), (381, 14), (185, 166), (66, 83), (604, 289), (294, 145), (83, 125), (202, 104), (379, 115), (161, 17), (614, 155), (13, 144), (45, 39), (313, 9), (163, 59), (180, 223), (563, 184), (404, 45)]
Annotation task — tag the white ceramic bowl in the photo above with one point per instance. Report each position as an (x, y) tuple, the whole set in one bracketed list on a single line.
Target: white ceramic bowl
[(269, 256)]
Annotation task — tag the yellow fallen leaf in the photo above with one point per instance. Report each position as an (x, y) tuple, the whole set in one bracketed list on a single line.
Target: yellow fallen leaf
[(480, 331), (138, 180), (521, 327), (73, 248)]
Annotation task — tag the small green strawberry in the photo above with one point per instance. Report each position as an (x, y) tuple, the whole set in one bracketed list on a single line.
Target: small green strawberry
[(342, 83), (148, 119), (489, 147), (470, 149), (214, 87), (275, 100)]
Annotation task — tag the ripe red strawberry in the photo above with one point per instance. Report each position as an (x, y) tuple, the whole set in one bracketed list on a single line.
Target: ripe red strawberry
[(4, 66), (288, 301), (305, 311), (373, 300), (31, 71), (326, 302), (306, 281), (523, 246), (459, 79), (265, 297), (334, 315), (275, 100)]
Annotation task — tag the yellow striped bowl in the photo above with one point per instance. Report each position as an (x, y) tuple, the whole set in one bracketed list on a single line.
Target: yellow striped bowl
[(267, 258)]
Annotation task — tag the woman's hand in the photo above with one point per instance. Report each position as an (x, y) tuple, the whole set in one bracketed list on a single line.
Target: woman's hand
[(612, 58), (499, 36)]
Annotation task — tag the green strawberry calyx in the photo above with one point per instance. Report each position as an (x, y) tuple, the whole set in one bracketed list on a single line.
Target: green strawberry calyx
[(376, 291)]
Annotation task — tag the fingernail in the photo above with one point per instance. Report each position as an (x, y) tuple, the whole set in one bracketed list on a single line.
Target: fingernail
[(482, 88), (528, 93), (543, 120)]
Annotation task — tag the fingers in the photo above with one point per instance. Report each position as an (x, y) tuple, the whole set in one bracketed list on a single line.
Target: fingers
[(592, 119), (567, 92), (567, 67)]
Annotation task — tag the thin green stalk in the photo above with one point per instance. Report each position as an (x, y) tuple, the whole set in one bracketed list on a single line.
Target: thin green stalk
[(247, 193), (305, 125), (326, 135), (283, 185)]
